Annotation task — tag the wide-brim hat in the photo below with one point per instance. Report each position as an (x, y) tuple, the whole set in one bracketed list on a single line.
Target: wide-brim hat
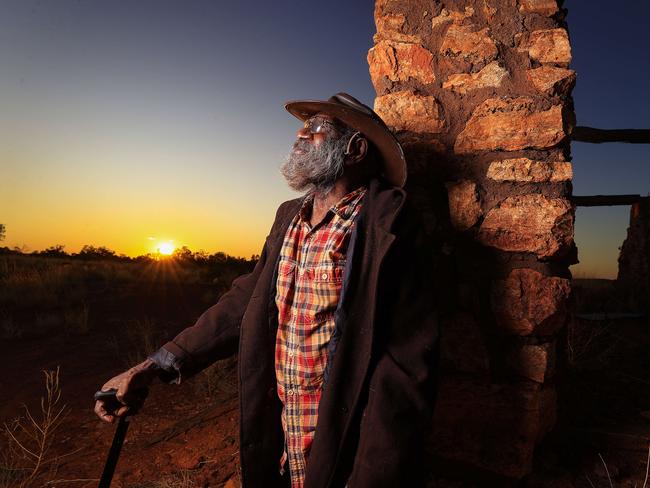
[(360, 117)]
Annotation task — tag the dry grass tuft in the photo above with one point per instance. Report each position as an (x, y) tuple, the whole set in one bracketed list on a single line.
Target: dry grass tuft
[(589, 341), (181, 479), (29, 439), (218, 380)]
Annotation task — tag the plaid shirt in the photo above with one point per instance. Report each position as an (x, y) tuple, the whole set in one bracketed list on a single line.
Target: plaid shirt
[(310, 277)]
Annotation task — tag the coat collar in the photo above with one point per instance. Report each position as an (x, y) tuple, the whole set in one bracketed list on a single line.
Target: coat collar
[(383, 204)]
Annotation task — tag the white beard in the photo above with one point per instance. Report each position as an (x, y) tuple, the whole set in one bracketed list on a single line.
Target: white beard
[(315, 168)]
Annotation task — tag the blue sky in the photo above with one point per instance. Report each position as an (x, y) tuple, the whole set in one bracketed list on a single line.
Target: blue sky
[(129, 123)]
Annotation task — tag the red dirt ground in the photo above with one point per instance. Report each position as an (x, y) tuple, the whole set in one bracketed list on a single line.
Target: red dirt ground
[(605, 409), (207, 453)]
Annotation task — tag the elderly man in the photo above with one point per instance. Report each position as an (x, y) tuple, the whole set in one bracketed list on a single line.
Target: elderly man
[(337, 325)]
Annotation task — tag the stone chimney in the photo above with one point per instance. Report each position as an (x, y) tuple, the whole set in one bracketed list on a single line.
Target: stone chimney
[(479, 94)]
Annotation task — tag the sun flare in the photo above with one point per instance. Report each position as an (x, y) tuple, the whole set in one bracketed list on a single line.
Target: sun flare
[(166, 248)]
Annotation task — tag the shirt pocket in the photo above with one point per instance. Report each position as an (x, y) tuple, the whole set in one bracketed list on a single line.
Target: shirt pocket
[(326, 281)]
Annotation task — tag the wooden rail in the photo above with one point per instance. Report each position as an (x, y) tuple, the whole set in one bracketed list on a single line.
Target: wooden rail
[(604, 200), (590, 134)]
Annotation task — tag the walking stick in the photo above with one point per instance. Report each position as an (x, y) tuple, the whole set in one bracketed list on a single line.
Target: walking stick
[(118, 439)]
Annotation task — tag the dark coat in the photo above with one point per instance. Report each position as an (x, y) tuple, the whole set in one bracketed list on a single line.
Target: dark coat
[(377, 403)]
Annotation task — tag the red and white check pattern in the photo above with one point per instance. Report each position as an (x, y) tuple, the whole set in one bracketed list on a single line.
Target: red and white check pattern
[(310, 276)]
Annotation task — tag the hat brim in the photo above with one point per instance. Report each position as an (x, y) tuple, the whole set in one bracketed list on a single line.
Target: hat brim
[(394, 162)]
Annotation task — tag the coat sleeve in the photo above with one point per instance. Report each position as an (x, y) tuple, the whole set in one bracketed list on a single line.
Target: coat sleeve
[(215, 335), (402, 381)]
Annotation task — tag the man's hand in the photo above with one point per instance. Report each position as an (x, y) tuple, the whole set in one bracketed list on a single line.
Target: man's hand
[(132, 388)]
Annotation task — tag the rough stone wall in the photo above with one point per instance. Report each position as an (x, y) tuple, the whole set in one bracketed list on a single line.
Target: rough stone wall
[(634, 259), (478, 92)]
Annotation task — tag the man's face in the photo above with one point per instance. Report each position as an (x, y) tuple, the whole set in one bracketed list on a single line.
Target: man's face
[(317, 158)]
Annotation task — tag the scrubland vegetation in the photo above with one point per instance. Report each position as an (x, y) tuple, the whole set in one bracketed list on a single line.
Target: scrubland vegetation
[(111, 311), (51, 291)]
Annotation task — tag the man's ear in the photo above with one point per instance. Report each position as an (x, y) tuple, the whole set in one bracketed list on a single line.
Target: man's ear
[(357, 147)]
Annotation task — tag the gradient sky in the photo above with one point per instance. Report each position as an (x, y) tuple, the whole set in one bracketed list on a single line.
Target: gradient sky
[(127, 123)]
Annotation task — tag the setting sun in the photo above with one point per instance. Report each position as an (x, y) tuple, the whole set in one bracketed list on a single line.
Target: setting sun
[(166, 248)]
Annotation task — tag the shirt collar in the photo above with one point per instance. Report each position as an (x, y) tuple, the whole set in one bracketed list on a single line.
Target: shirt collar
[(348, 203), (343, 208)]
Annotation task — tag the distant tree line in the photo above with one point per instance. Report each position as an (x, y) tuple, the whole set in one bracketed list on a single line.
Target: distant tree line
[(58, 251), (201, 257), (95, 253)]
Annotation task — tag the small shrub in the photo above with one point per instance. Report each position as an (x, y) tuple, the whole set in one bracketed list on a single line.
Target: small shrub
[(29, 439)]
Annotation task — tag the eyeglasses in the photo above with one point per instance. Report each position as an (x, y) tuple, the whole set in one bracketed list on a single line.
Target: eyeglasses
[(317, 125)]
